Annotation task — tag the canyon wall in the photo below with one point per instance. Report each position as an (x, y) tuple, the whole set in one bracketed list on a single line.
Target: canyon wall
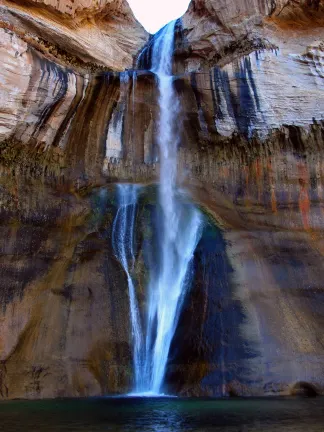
[(85, 34), (75, 118)]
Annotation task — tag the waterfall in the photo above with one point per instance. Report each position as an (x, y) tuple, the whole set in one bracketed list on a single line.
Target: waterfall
[(123, 246), (178, 233), (179, 225)]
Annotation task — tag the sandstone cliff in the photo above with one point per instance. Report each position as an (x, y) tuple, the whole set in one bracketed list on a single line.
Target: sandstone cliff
[(84, 34), (249, 77), (218, 31)]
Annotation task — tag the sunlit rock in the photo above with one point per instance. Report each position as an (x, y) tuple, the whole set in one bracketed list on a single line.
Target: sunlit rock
[(249, 82), (85, 34)]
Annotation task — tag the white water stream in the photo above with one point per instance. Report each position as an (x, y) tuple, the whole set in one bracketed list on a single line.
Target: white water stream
[(179, 234), (123, 245)]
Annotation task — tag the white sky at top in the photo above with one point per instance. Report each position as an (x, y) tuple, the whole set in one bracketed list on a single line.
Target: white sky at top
[(154, 14)]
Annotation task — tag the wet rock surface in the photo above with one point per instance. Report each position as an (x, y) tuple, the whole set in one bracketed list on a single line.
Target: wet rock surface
[(250, 84)]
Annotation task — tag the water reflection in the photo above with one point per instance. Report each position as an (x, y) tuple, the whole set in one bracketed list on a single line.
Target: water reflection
[(163, 415)]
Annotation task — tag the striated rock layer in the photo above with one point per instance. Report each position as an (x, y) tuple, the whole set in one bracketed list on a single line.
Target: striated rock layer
[(218, 31), (249, 77), (84, 34)]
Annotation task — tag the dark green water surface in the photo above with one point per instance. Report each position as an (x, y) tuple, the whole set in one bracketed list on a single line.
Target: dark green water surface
[(163, 414)]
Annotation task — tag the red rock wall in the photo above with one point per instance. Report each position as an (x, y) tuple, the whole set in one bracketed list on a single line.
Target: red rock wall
[(251, 128)]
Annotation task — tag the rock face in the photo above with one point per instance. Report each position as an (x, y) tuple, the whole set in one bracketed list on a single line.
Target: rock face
[(83, 8), (64, 316), (250, 80), (86, 34), (218, 31)]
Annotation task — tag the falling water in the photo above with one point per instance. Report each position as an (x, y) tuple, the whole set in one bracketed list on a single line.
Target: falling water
[(179, 232), (123, 246), (179, 225)]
